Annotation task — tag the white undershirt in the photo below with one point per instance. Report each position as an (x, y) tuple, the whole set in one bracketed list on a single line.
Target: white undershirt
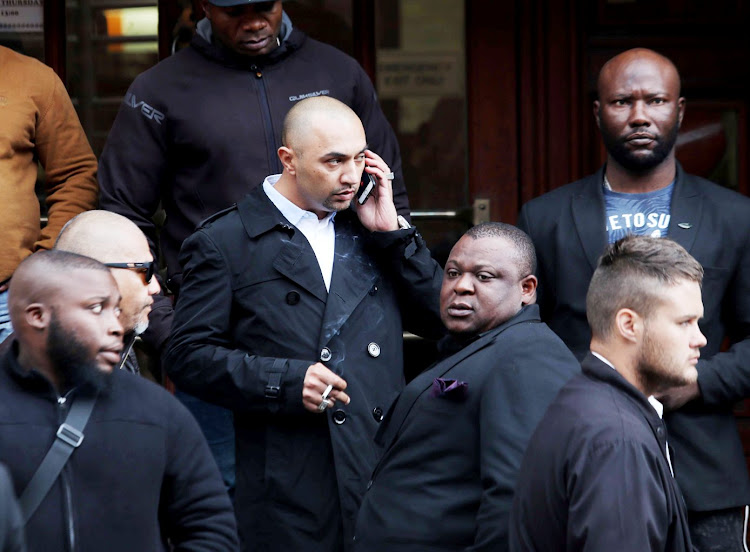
[(652, 400), (319, 232)]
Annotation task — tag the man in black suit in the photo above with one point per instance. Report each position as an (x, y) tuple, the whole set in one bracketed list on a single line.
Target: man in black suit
[(643, 190), (455, 437), (290, 314)]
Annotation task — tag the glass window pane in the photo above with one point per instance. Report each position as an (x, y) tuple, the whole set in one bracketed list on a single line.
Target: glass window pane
[(420, 48), (110, 42)]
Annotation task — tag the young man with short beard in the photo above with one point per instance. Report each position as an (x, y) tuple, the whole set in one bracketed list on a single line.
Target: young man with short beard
[(643, 190), (598, 473), (142, 478)]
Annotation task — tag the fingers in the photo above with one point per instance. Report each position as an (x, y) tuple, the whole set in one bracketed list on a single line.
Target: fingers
[(375, 165), (317, 380)]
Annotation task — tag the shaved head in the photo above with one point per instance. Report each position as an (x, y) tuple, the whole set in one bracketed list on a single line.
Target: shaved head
[(112, 238), (102, 235), (626, 62), (323, 155), (639, 111), (40, 277), (308, 116)]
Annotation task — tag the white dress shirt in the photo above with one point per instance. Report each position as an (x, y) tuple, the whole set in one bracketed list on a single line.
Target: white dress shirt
[(320, 233)]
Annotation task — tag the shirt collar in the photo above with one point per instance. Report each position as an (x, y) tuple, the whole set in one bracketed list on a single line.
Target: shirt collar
[(291, 212)]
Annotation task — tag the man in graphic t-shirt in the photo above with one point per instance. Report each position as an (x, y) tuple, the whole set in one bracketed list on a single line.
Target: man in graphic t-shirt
[(642, 189)]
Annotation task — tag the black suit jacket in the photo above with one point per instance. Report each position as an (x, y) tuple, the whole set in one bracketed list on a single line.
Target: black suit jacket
[(568, 228), (253, 315), (446, 479)]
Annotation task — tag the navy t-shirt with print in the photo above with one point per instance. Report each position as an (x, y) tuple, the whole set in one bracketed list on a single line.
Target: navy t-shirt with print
[(644, 214)]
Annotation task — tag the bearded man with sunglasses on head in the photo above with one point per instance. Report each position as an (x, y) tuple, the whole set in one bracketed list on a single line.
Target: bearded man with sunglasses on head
[(119, 244)]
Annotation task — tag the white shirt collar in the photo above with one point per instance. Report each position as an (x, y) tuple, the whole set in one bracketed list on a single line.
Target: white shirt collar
[(291, 212)]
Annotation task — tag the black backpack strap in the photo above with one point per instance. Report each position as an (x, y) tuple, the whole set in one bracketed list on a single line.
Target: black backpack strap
[(69, 437)]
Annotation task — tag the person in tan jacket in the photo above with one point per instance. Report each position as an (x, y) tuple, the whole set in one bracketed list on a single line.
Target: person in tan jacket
[(38, 124)]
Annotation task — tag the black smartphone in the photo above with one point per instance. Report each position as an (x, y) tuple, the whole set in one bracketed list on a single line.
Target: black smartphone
[(368, 184)]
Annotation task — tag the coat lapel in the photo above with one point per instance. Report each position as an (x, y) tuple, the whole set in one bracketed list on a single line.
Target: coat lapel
[(589, 216), (422, 383), (354, 274), (295, 260), (685, 211)]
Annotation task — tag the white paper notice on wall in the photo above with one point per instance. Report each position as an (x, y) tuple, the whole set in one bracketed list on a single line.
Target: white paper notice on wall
[(22, 16), (402, 73)]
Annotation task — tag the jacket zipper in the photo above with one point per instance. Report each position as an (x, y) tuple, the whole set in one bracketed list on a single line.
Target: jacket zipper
[(125, 355), (267, 121), (65, 479)]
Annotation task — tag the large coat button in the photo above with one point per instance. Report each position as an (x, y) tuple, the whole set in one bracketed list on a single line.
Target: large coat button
[(377, 413), (292, 298), (325, 354), (339, 417), (373, 349)]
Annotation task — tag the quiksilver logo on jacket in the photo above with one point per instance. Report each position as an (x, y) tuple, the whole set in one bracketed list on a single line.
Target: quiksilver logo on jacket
[(309, 95), (146, 110)]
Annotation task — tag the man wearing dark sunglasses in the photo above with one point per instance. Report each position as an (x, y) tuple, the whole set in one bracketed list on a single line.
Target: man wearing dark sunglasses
[(119, 244)]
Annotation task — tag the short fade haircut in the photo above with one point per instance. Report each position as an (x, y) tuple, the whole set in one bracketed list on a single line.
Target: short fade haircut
[(525, 252), (37, 274), (629, 274)]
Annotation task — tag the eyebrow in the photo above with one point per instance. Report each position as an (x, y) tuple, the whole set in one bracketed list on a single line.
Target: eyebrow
[(339, 154)]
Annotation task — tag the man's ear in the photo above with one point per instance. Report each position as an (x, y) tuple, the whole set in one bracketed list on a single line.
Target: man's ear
[(37, 316), (287, 158), (597, 117), (628, 325), (206, 9), (528, 290), (681, 111)]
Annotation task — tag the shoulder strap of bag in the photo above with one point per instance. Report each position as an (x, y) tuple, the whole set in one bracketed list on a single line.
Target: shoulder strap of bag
[(69, 437)]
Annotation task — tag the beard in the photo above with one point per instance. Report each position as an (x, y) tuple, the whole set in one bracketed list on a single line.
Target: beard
[(72, 361), (658, 371), (140, 327), (633, 161)]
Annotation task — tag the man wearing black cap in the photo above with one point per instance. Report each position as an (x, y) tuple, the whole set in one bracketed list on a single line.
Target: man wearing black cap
[(199, 130)]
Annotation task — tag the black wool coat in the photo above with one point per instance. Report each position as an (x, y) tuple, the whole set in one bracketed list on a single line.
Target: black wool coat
[(253, 315)]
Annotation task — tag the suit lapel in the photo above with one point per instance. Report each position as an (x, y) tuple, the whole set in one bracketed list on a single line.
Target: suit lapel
[(396, 417), (686, 211), (404, 403), (589, 217), (353, 276)]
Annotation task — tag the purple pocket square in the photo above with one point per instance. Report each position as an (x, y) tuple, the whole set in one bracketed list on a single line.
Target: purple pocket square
[(449, 389)]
